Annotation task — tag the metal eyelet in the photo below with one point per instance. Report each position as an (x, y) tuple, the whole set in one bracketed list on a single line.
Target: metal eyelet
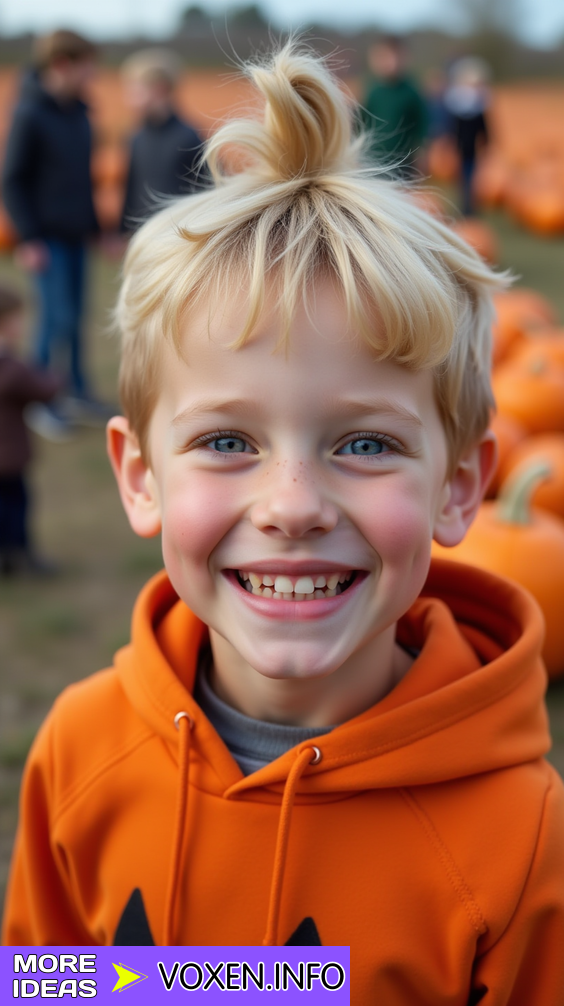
[(317, 756), (183, 716)]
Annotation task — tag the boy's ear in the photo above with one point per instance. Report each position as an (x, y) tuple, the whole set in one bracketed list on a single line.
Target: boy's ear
[(464, 491), (136, 483)]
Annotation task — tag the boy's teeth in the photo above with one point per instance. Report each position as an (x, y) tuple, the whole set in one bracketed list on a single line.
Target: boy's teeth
[(301, 588)]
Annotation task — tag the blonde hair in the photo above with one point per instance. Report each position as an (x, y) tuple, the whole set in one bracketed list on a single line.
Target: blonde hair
[(302, 201)]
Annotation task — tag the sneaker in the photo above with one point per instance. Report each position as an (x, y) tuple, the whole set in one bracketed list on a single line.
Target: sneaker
[(88, 411), (43, 420)]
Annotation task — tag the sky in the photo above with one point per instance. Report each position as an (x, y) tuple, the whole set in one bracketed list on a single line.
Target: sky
[(541, 21)]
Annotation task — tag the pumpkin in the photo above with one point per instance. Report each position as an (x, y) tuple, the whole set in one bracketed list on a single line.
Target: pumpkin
[(479, 236), (508, 434), (491, 179), (511, 538), (443, 159), (531, 390), (519, 311), (541, 208), (545, 344), (549, 447)]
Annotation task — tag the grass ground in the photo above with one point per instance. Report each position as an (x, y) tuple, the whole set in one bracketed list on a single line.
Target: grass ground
[(55, 632)]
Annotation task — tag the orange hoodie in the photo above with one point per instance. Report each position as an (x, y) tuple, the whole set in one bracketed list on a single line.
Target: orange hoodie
[(426, 833)]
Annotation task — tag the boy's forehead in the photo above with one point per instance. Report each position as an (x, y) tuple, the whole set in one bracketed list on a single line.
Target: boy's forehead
[(323, 364)]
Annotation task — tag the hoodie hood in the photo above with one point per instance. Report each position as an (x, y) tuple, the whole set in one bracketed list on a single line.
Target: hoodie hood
[(472, 702)]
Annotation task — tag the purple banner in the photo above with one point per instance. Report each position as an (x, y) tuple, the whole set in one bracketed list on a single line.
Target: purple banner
[(148, 975)]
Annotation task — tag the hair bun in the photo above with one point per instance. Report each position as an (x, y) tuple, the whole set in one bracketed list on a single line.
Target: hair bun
[(306, 129)]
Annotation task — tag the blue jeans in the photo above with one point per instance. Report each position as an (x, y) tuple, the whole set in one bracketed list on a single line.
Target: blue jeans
[(61, 288), (467, 170)]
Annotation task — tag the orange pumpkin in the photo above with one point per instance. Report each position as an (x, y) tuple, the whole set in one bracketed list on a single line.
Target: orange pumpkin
[(443, 159), (541, 208), (546, 344), (479, 236), (508, 434), (490, 180), (531, 390), (526, 544), (549, 447), (517, 312)]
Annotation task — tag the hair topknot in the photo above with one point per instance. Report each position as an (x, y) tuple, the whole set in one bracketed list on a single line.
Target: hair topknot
[(306, 129), (303, 201)]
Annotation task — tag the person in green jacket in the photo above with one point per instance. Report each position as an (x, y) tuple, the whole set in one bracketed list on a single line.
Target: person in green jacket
[(394, 113)]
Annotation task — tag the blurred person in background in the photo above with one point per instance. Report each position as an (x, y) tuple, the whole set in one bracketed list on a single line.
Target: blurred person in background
[(47, 192), (395, 112), (165, 152), (438, 118), (20, 384), (466, 100)]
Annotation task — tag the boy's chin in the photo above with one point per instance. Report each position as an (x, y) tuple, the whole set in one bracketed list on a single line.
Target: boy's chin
[(292, 666)]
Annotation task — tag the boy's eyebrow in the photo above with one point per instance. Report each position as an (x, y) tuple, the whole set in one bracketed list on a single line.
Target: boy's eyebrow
[(342, 407), (380, 407), (206, 405)]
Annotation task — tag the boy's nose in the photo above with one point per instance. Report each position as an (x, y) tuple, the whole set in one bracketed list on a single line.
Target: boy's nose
[(294, 506)]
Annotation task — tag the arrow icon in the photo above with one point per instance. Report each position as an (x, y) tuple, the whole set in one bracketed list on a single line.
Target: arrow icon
[(127, 976)]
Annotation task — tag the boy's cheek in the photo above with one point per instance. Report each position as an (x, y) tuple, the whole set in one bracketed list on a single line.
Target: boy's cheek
[(395, 529), (194, 521)]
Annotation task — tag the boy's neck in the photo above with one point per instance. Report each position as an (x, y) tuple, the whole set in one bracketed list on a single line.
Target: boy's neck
[(364, 679)]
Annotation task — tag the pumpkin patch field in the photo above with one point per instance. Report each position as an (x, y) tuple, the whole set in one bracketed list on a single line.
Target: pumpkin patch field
[(56, 631)]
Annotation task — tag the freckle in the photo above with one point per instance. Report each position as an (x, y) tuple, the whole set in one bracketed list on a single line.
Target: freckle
[(295, 480)]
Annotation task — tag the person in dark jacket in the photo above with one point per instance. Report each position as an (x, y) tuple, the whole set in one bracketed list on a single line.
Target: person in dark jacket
[(395, 112), (20, 385), (165, 152), (47, 192), (466, 101)]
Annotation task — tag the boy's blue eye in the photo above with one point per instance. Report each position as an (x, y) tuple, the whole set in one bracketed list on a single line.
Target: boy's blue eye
[(364, 445), (228, 445)]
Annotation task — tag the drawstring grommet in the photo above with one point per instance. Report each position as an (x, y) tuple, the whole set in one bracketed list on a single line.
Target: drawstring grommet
[(317, 756), (183, 716)]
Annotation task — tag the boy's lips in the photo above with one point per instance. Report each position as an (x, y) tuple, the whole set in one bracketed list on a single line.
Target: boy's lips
[(308, 605)]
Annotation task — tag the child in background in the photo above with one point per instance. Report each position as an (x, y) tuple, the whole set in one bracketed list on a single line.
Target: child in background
[(313, 738), (466, 101), (20, 384), (165, 152)]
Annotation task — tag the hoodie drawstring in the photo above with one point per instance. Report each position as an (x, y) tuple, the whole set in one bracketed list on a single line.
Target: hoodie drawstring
[(184, 725), (309, 756)]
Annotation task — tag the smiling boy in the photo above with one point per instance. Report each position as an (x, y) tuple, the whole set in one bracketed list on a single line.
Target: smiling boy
[(311, 738)]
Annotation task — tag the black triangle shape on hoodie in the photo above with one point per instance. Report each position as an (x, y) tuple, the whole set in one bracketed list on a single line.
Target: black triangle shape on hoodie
[(305, 935), (133, 928)]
